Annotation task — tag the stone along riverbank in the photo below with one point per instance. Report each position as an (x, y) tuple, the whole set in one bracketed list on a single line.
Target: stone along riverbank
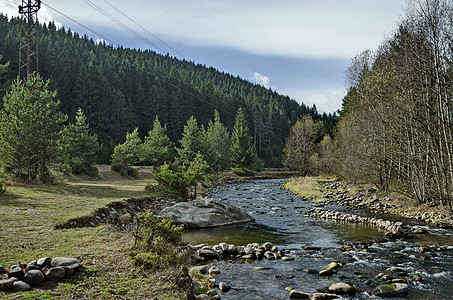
[(364, 258)]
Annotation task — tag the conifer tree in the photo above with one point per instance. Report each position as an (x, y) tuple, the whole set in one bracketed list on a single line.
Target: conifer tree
[(219, 144), (243, 153), (157, 147), (30, 128), (81, 147), (192, 141), (126, 155), (3, 78)]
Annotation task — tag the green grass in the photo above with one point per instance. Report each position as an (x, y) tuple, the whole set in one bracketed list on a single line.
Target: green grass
[(28, 214), (306, 187)]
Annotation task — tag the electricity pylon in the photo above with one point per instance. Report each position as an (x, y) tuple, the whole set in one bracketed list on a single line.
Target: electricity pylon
[(28, 53)]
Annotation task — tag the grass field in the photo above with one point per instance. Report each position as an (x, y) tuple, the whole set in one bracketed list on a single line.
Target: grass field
[(28, 214)]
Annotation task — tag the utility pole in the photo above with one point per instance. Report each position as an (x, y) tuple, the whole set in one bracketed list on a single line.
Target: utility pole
[(28, 52)]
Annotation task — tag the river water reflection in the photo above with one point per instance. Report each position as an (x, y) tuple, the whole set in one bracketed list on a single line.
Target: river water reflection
[(282, 218)]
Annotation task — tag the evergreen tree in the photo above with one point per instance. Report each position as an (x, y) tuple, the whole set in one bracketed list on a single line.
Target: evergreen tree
[(126, 155), (3, 79), (219, 144), (81, 147), (192, 141), (30, 128), (157, 147), (243, 153)]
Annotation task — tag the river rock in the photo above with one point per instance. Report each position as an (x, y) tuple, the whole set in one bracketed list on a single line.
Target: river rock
[(388, 290), (34, 277), (270, 255), (341, 288), (56, 273), (323, 296), (295, 294), (44, 261), (224, 246), (64, 261), (213, 270), (6, 285), (232, 249), (202, 297), (16, 272), (208, 253), (326, 272), (224, 287), (333, 266), (21, 286), (202, 213)]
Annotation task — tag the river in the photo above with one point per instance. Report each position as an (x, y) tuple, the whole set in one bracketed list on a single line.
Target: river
[(283, 219)]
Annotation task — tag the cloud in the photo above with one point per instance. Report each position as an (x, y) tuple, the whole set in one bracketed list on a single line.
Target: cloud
[(9, 9), (326, 100), (262, 80), (12, 10)]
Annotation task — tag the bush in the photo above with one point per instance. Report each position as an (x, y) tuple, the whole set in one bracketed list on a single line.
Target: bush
[(157, 242), (242, 172)]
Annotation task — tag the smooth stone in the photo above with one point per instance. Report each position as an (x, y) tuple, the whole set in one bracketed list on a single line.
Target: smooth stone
[(202, 297), (7, 284), (333, 266), (211, 292), (63, 261), (287, 258), (44, 261), (208, 253), (203, 213), (323, 296), (34, 277), (270, 255), (248, 256), (21, 286), (224, 246), (394, 289), (341, 288), (231, 249), (213, 270), (16, 272), (56, 273), (295, 294), (261, 268), (223, 287), (325, 273)]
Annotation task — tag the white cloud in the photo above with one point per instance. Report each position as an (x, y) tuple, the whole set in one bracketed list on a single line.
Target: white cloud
[(9, 9), (262, 80), (326, 100), (12, 10)]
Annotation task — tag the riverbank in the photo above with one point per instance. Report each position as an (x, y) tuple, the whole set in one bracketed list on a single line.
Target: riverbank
[(29, 214), (324, 191)]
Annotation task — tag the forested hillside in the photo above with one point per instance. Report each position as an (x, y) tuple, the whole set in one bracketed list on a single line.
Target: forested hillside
[(120, 89)]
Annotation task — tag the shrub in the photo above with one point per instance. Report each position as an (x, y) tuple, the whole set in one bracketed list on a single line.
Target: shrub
[(157, 241), (242, 172)]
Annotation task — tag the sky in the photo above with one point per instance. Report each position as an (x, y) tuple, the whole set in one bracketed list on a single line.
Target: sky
[(300, 48)]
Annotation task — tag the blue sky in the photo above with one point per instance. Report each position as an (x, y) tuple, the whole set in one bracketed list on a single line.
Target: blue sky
[(299, 48)]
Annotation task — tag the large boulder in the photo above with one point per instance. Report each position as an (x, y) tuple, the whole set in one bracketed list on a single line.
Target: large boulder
[(203, 213)]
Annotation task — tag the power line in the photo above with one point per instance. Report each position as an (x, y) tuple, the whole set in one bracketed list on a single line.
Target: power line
[(80, 24), (108, 15), (130, 19)]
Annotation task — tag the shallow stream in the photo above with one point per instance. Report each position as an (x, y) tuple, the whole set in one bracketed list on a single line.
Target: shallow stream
[(282, 218)]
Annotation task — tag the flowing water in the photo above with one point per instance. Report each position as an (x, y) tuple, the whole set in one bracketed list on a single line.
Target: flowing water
[(282, 218)]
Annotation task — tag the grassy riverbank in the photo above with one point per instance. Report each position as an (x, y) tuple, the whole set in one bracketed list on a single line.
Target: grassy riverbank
[(317, 189), (28, 214)]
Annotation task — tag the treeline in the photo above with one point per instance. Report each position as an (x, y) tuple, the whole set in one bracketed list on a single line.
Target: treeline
[(396, 125), (122, 89)]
